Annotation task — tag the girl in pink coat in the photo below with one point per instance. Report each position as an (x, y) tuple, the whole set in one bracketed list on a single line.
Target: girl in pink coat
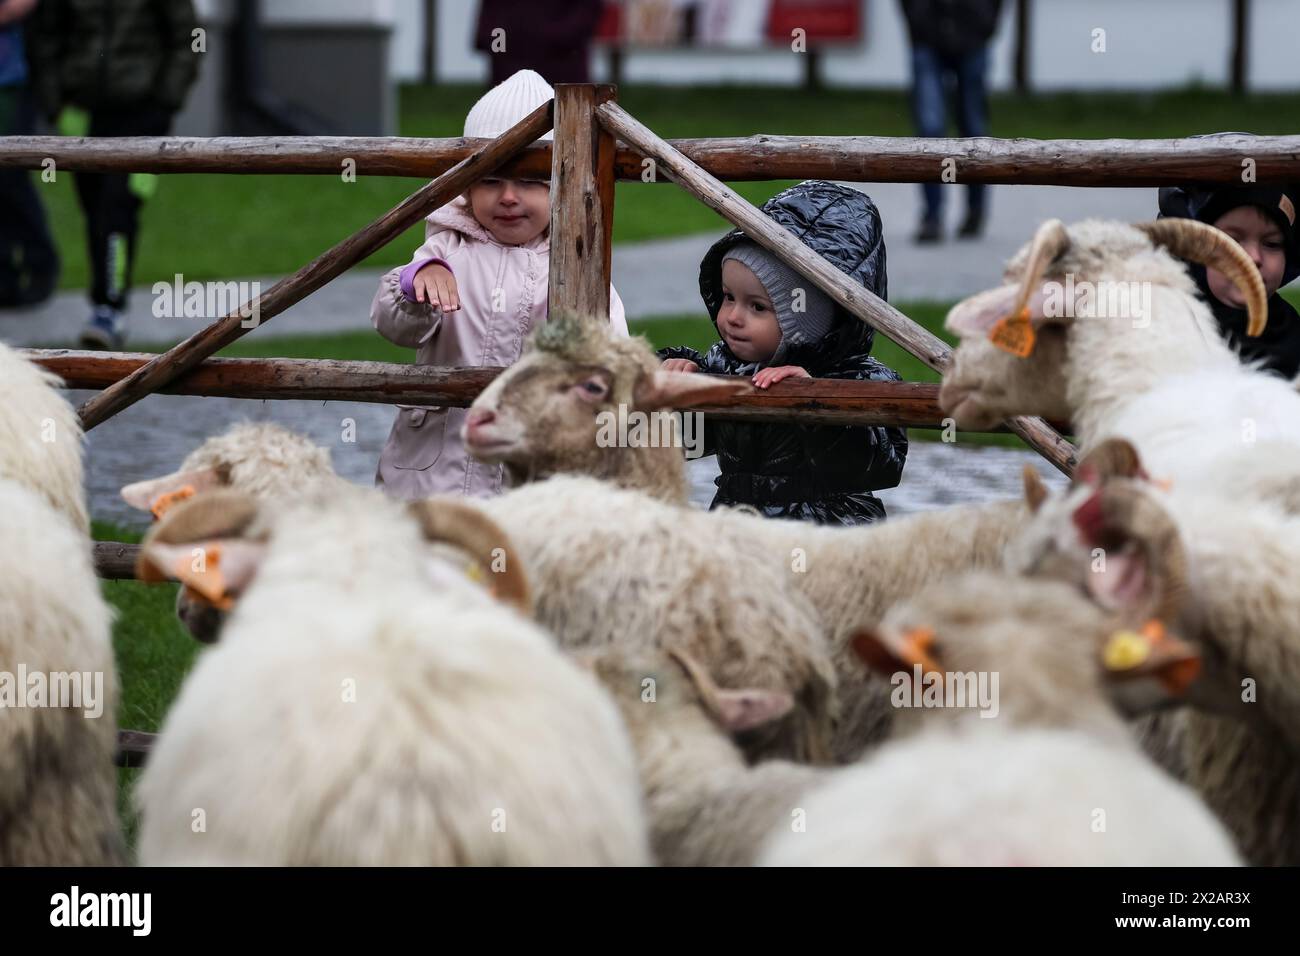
[(470, 296)]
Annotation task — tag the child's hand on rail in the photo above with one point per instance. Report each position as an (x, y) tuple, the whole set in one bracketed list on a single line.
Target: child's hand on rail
[(770, 376), (437, 286), (679, 365)]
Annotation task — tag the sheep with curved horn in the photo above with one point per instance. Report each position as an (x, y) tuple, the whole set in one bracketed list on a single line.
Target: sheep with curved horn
[(1099, 324)]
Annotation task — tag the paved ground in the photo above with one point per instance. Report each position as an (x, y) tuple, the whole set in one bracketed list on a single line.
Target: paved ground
[(151, 437), (661, 277)]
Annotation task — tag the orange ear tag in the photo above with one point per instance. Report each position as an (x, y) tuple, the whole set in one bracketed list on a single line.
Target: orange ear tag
[(915, 648), (1177, 675), (1014, 334), (208, 583), (163, 502)]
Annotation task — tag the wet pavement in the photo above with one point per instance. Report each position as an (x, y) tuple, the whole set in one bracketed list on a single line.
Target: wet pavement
[(151, 437)]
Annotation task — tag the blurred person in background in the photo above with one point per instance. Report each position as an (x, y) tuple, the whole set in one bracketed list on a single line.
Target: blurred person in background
[(112, 68), (950, 41), (29, 262), (550, 37)]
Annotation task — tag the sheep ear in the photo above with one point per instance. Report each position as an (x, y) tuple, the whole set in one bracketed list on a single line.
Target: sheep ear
[(978, 315), (1112, 458), (735, 710), (876, 652), (213, 571), (203, 543), (1151, 652), (664, 389), (159, 494), (1035, 490)]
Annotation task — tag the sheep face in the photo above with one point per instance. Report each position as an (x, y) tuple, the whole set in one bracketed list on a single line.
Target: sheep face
[(1023, 343), (984, 385), (566, 405), (263, 459), (1113, 537)]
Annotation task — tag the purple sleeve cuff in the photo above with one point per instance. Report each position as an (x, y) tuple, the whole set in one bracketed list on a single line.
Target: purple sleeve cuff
[(406, 278)]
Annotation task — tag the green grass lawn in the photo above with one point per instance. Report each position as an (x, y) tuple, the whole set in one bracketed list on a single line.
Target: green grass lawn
[(209, 226), (153, 652)]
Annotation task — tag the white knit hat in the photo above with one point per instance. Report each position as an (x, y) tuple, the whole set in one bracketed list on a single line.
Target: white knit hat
[(506, 104)]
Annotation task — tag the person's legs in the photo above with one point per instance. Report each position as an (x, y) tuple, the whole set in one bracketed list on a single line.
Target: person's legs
[(930, 117), (112, 210), (29, 262), (973, 120)]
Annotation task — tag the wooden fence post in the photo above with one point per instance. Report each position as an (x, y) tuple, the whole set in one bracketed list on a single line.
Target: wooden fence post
[(582, 203)]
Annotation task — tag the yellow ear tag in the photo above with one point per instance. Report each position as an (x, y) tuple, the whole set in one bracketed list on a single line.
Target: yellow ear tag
[(1014, 334), (164, 502), (1125, 650), (474, 572)]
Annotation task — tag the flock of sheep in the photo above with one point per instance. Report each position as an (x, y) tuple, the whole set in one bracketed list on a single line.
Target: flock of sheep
[(586, 670)]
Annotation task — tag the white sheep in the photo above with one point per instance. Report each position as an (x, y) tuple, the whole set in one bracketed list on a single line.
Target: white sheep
[(368, 704), (58, 691), (1147, 365), (1035, 769), (1238, 559), (616, 566), (584, 400), (58, 684), (41, 437)]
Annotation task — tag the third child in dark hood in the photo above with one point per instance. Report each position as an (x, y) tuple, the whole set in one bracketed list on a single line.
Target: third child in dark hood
[(1263, 220), (820, 473)]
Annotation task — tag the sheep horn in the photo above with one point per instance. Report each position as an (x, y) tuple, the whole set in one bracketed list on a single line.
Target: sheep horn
[(468, 528), (1205, 245), (1048, 243)]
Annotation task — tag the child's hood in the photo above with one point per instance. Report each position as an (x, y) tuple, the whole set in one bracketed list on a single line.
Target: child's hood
[(456, 215), (840, 224)]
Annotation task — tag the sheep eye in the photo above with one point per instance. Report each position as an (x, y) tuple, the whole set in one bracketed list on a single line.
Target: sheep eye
[(593, 388)]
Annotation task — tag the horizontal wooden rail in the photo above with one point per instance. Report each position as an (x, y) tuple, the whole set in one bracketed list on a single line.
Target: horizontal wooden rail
[(827, 401), (885, 159), (133, 746)]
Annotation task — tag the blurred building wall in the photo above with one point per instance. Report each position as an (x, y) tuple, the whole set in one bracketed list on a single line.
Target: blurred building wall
[(1150, 44), (328, 59)]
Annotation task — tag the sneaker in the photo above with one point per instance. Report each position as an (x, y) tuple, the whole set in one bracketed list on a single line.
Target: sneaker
[(972, 226), (105, 330), (930, 231)]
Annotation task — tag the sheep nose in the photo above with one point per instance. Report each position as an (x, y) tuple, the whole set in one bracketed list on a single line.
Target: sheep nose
[(477, 418)]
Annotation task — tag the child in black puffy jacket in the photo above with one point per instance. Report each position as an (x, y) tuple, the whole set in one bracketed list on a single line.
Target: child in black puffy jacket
[(775, 324)]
